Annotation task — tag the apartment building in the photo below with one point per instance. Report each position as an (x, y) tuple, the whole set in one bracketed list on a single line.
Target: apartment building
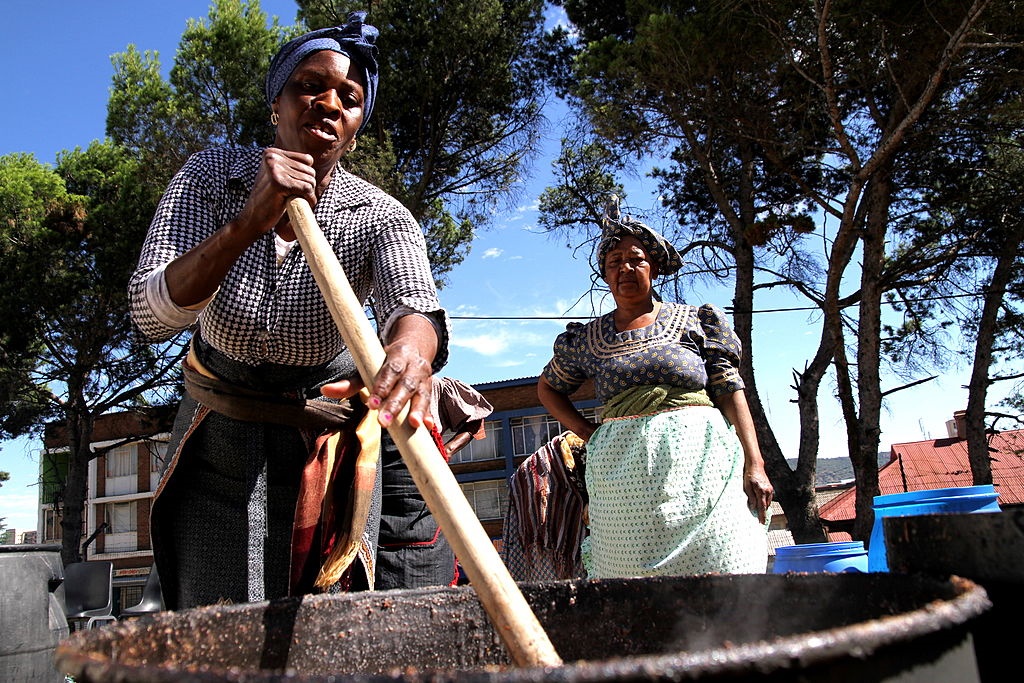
[(121, 481)]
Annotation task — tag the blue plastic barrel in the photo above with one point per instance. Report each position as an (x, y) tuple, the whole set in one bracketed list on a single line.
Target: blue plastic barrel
[(839, 557), (959, 499)]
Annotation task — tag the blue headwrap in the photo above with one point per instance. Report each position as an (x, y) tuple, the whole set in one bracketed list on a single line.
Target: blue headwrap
[(354, 40), (615, 227)]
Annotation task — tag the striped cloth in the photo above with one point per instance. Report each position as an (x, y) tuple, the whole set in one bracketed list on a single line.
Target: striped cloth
[(545, 523)]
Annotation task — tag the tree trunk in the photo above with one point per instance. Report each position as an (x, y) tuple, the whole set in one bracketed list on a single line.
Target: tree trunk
[(869, 349), (75, 490), (76, 487), (793, 489), (807, 385), (974, 420)]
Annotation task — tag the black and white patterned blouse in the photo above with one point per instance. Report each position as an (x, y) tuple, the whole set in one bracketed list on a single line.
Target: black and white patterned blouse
[(265, 312), (686, 346)]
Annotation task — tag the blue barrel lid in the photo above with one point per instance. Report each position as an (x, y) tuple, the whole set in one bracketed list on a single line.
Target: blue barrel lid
[(819, 549), (926, 495)]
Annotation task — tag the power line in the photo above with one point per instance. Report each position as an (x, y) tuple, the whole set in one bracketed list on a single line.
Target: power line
[(729, 309)]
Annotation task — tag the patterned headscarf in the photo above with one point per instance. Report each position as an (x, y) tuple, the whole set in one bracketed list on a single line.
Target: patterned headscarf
[(615, 227), (355, 40)]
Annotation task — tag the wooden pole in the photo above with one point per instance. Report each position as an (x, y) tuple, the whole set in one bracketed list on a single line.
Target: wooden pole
[(510, 614)]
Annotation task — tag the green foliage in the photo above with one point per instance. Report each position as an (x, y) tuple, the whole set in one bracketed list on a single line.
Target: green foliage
[(456, 119), (458, 109), (773, 120), (142, 114), (214, 95), (587, 179), (667, 81), (217, 73), (71, 241), (32, 195)]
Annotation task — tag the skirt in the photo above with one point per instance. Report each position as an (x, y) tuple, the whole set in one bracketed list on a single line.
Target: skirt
[(222, 521), (412, 550), (666, 498)]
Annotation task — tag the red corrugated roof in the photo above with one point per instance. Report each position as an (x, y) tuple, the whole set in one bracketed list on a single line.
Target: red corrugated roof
[(941, 463)]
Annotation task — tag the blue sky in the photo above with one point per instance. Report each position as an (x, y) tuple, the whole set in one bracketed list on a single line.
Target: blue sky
[(56, 78)]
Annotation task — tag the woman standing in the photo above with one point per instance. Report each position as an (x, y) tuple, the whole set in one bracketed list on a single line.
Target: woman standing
[(253, 499), (675, 477)]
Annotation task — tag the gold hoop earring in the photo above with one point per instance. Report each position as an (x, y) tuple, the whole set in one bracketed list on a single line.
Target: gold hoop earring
[(274, 118), (352, 147)]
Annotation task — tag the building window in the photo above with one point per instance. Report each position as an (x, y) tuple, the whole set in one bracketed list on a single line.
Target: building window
[(122, 470), (123, 521), (488, 498), (532, 432), (121, 517), (51, 526), (487, 448), (157, 462)]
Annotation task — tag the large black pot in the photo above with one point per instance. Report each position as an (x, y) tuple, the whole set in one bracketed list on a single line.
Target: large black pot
[(987, 549), (794, 627)]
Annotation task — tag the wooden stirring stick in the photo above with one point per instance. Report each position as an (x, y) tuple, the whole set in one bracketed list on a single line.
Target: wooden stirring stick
[(514, 621)]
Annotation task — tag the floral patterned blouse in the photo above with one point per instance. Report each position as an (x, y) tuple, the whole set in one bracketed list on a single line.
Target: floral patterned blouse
[(687, 346)]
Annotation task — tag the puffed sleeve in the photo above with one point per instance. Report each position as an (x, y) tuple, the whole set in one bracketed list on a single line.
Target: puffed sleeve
[(564, 372), (722, 351), (456, 403)]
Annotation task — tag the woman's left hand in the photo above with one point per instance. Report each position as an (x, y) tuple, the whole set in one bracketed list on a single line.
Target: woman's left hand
[(759, 490)]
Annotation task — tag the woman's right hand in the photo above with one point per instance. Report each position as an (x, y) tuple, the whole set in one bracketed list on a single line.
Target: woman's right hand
[(562, 409), (195, 276), (283, 174)]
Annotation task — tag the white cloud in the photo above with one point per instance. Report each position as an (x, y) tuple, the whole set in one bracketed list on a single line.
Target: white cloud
[(484, 344), (493, 252), (494, 338)]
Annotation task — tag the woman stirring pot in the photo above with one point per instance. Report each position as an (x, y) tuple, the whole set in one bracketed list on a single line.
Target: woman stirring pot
[(253, 502)]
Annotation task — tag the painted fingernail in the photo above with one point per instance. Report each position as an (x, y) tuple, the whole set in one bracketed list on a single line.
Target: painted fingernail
[(374, 402), (386, 417)]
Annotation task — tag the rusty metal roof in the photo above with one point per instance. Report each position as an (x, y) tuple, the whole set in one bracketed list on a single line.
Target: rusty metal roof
[(941, 463)]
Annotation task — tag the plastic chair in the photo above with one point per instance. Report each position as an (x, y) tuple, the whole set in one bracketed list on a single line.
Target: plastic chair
[(89, 592), (152, 600)]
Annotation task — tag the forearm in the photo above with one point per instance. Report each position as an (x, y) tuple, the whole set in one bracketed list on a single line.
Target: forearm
[(563, 410), (756, 485), (416, 333), (457, 443), (734, 407), (194, 277)]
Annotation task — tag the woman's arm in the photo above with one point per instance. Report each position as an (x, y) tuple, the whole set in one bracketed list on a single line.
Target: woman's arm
[(194, 276), (462, 437), (403, 378), (559, 405), (756, 485)]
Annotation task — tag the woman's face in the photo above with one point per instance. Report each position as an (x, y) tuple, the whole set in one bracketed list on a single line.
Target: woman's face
[(628, 271), (320, 107)]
